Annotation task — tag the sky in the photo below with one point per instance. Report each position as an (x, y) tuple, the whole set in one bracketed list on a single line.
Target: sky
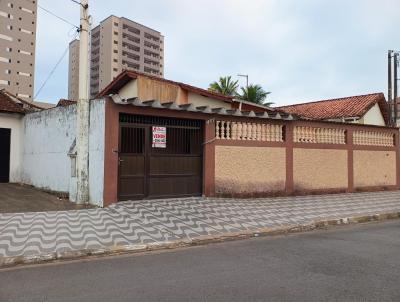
[(301, 51)]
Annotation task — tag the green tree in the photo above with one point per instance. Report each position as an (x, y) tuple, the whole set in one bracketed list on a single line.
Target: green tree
[(225, 85), (255, 94)]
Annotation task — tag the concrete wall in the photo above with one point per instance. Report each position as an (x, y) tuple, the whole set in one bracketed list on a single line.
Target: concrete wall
[(248, 170), (14, 122), (374, 168), (48, 136), (318, 169), (96, 152)]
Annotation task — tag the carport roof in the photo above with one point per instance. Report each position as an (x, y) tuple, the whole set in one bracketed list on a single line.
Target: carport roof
[(201, 109)]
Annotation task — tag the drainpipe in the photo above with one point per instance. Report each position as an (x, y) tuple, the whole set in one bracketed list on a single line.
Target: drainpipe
[(82, 138)]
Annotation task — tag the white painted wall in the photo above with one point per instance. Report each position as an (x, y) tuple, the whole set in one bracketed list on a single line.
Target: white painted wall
[(96, 152), (130, 90), (373, 117), (14, 122), (199, 100), (48, 137)]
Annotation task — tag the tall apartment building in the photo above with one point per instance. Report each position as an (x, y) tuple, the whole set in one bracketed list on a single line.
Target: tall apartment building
[(17, 46), (73, 72), (118, 44)]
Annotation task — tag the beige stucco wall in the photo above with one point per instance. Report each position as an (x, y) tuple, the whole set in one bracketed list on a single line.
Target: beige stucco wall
[(249, 169), (315, 169), (373, 117), (199, 100), (374, 168)]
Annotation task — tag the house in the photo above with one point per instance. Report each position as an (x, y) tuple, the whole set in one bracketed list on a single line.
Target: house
[(156, 139), (12, 111), (130, 85), (369, 109)]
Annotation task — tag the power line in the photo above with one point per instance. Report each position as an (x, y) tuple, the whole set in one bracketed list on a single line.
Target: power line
[(53, 70), (61, 18)]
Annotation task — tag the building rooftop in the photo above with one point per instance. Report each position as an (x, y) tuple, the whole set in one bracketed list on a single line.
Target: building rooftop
[(9, 103), (346, 107)]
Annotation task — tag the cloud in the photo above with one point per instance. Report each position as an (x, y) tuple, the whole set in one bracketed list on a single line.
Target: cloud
[(299, 50)]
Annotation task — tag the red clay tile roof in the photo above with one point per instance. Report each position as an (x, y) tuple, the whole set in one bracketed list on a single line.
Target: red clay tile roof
[(354, 106), (123, 78), (8, 105), (64, 102)]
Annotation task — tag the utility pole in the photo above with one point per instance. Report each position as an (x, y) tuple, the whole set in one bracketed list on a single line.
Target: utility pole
[(82, 137), (247, 86), (395, 66), (390, 104)]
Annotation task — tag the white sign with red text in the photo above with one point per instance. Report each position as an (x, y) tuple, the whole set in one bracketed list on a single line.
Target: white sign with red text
[(159, 137)]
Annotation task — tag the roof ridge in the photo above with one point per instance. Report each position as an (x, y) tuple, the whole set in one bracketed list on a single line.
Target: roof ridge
[(330, 100)]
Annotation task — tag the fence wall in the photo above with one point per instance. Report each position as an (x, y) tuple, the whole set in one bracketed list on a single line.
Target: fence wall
[(255, 157)]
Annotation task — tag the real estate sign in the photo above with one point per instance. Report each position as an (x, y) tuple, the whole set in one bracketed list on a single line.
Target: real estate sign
[(159, 137)]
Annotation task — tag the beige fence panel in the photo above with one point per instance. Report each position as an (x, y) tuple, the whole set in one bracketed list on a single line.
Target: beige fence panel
[(228, 130), (317, 135), (373, 138)]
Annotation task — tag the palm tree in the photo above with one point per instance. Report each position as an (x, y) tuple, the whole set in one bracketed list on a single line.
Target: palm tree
[(255, 94), (225, 86)]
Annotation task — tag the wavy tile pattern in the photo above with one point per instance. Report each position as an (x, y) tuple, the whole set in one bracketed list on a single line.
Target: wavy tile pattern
[(168, 220)]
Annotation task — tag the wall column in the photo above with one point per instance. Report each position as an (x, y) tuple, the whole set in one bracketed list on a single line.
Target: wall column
[(209, 158), (289, 187), (350, 160)]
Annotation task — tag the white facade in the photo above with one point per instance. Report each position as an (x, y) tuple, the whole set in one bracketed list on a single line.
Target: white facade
[(14, 122), (373, 117)]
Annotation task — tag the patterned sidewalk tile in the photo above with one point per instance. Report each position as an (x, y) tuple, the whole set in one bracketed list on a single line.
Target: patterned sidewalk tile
[(169, 220)]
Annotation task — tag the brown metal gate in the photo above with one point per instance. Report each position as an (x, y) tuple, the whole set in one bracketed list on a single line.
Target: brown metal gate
[(149, 172)]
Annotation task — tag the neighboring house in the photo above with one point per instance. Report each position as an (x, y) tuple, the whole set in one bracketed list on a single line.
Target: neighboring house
[(130, 85), (369, 109), (12, 111)]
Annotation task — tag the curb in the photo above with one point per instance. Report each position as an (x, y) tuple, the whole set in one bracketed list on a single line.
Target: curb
[(201, 240)]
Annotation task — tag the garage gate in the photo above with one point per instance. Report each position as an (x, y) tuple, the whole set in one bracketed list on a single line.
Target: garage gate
[(150, 167)]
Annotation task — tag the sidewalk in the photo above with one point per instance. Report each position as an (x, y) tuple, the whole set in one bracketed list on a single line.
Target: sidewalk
[(151, 224)]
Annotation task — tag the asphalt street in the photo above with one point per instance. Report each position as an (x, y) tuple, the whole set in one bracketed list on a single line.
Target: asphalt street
[(352, 263)]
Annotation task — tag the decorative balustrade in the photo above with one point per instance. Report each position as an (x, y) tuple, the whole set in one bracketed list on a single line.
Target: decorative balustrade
[(373, 138), (229, 130), (236, 130), (316, 135)]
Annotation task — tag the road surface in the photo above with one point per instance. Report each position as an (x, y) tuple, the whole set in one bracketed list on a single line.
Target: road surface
[(353, 263)]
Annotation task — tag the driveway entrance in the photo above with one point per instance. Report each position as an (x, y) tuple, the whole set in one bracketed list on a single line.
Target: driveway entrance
[(15, 198), (159, 157)]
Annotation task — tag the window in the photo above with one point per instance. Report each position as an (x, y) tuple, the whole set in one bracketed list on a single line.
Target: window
[(115, 51), (115, 69), (115, 42), (115, 24)]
